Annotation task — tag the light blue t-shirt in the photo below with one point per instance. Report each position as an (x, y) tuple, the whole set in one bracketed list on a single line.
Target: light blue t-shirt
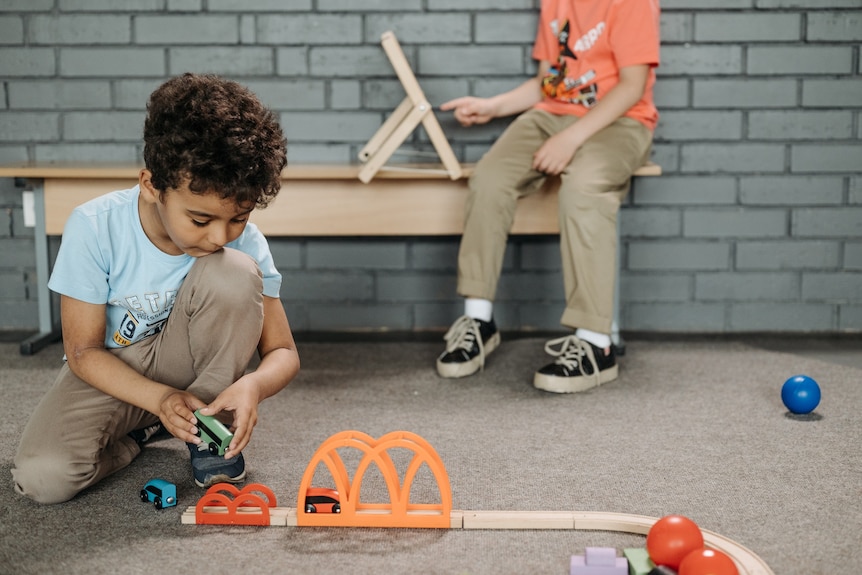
[(106, 258)]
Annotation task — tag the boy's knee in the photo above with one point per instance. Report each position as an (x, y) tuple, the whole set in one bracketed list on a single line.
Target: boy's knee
[(229, 266), (582, 197), (487, 193), (239, 261), (483, 177), (45, 479), (227, 276)]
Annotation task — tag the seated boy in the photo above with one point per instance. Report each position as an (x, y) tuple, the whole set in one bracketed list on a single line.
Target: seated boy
[(166, 292), (588, 117)]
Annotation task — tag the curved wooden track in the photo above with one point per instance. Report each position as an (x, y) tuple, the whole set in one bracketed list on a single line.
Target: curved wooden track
[(746, 560)]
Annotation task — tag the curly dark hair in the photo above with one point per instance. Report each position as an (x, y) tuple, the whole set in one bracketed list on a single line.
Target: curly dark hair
[(216, 135)]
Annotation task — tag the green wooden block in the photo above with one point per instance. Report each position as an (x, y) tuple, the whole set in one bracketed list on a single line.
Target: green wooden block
[(639, 561)]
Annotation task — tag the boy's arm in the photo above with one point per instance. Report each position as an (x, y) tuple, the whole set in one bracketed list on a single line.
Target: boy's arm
[(556, 153), (279, 360), (471, 110), (279, 364), (84, 344)]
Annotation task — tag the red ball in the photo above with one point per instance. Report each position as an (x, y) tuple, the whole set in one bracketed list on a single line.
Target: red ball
[(671, 538), (707, 562)]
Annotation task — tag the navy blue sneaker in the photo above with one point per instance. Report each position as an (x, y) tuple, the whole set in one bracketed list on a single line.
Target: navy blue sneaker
[(209, 469)]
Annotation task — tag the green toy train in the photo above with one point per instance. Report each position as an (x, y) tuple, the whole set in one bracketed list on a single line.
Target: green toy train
[(213, 433)]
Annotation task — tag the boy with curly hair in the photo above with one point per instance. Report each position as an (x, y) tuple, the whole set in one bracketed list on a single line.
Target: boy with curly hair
[(166, 292)]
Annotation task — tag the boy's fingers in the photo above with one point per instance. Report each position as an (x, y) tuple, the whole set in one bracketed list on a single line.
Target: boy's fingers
[(213, 408), (445, 106), (238, 444), (182, 429)]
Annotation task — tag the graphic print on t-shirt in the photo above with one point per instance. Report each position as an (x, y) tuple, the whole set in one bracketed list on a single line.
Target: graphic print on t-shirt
[(557, 83), (130, 331), (142, 320)]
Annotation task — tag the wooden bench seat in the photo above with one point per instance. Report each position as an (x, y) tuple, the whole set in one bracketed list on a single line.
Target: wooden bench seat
[(319, 200)]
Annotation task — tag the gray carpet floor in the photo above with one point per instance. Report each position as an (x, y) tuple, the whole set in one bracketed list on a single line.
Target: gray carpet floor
[(694, 428)]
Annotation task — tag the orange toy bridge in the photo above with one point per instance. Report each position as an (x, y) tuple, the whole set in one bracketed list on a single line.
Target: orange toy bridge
[(399, 512), (224, 504)]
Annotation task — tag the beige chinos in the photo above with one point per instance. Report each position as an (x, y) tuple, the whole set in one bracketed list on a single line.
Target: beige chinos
[(591, 190), (78, 435)]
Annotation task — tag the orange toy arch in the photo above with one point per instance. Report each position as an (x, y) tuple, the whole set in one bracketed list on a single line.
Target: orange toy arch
[(399, 512), (246, 508), (265, 492)]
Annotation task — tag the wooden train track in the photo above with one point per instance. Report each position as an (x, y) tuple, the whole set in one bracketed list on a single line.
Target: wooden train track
[(747, 562)]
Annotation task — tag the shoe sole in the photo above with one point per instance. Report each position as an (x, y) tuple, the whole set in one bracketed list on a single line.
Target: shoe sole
[(556, 384), (220, 479), (456, 370)]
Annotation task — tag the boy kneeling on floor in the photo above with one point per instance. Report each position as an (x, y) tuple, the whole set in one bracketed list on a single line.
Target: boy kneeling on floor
[(166, 292)]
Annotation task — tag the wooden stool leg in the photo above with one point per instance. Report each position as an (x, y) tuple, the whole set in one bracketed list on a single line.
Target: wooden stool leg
[(412, 111)]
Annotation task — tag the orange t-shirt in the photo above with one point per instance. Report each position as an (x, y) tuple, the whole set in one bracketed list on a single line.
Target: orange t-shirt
[(587, 42)]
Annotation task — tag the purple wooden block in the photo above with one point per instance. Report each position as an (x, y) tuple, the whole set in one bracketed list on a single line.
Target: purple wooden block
[(601, 556), (579, 566)]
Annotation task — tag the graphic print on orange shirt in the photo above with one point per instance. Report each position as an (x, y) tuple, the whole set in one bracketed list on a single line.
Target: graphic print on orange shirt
[(558, 85)]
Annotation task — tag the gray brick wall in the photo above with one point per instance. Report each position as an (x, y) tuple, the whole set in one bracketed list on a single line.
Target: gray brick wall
[(756, 224)]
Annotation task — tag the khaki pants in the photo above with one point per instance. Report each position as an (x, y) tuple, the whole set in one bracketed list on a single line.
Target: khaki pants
[(78, 435), (591, 190)]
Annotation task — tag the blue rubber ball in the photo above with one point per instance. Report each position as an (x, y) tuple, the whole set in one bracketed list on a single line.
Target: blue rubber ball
[(800, 394)]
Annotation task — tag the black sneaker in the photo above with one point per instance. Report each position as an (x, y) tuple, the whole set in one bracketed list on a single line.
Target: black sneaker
[(468, 342), (142, 436), (209, 469), (579, 366)]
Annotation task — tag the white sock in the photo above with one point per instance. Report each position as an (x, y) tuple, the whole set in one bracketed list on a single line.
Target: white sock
[(478, 308), (599, 340)]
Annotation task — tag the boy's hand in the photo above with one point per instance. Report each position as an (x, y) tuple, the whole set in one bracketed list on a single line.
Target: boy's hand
[(176, 412), (242, 399), (470, 110), (556, 153)]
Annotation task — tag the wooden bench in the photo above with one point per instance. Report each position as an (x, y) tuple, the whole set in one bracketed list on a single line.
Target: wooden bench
[(316, 200)]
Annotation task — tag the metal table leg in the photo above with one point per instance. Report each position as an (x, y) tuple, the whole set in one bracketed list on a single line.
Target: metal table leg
[(616, 338), (48, 332)]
